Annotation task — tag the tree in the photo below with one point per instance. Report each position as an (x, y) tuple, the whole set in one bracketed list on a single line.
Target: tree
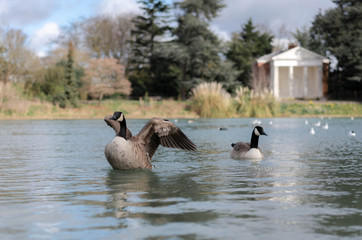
[(60, 80), (53, 85), (100, 36), (338, 33), (245, 46), (199, 48), (14, 56), (105, 76), (71, 82), (303, 38), (149, 28)]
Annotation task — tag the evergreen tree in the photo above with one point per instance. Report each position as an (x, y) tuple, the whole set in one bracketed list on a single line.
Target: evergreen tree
[(199, 48), (245, 47), (71, 84), (149, 27), (53, 85), (303, 38), (338, 32)]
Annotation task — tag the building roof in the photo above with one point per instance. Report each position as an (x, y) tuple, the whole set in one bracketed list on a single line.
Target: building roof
[(296, 53)]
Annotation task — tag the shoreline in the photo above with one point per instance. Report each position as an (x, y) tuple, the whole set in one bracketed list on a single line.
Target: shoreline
[(173, 117), (170, 109)]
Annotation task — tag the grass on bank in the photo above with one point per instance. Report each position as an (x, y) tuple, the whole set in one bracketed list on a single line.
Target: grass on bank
[(209, 101)]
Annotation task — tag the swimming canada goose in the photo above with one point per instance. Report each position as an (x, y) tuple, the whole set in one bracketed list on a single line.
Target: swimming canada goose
[(127, 152), (248, 150)]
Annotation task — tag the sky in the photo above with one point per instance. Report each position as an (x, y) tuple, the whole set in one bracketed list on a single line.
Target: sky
[(42, 20)]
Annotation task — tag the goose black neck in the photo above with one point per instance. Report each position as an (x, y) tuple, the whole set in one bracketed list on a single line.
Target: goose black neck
[(254, 140), (123, 129)]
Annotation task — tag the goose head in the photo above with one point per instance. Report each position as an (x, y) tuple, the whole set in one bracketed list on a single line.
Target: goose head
[(258, 131), (119, 117)]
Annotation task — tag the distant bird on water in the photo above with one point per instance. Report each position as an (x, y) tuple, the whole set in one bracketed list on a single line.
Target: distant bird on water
[(242, 150), (127, 152), (256, 122), (351, 133), (317, 124), (311, 131)]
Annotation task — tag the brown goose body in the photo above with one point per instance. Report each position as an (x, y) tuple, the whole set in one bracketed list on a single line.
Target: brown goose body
[(128, 152)]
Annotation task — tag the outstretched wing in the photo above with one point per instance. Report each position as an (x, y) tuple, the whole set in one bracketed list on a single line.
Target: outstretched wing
[(161, 131), (116, 126)]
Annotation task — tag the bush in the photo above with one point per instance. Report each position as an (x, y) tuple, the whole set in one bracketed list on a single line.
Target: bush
[(210, 100)]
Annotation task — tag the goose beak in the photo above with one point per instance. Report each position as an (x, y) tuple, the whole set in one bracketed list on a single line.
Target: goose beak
[(263, 133), (113, 118)]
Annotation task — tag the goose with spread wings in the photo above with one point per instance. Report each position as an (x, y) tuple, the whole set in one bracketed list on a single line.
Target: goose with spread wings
[(128, 152)]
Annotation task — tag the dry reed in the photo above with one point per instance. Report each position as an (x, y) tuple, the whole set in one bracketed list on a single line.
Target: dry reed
[(210, 100), (252, 104)]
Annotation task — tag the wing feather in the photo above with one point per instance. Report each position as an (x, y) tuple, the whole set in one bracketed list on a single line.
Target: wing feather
[(160, 131), (153, 145), (241, 146)]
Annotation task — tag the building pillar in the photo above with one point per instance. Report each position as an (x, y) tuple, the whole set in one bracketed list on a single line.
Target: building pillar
[(305, 82), (276, 81), (320, 81), (291, 77)]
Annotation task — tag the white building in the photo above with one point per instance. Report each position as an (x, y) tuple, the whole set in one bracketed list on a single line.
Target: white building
[(296, 73)]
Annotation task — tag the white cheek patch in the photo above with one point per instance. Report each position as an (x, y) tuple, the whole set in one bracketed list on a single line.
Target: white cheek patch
[(121, 118), (256, 132)]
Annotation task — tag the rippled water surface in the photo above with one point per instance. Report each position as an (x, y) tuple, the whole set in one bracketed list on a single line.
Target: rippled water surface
[(56, 183)]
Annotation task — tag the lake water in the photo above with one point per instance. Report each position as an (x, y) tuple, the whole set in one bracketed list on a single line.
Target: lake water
[(56, 183)]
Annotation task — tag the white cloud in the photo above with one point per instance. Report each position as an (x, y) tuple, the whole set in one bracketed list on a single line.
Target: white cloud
[(41, 40), (3, 7), (273, 14), (115, 7), (223, 35), (281, 43), (20, 12)]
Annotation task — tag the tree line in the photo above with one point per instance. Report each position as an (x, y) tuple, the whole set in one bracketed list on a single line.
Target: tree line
[(168, 50)]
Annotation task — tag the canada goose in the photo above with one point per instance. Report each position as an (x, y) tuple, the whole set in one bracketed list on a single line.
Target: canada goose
[(127, 152), (248, 150)]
